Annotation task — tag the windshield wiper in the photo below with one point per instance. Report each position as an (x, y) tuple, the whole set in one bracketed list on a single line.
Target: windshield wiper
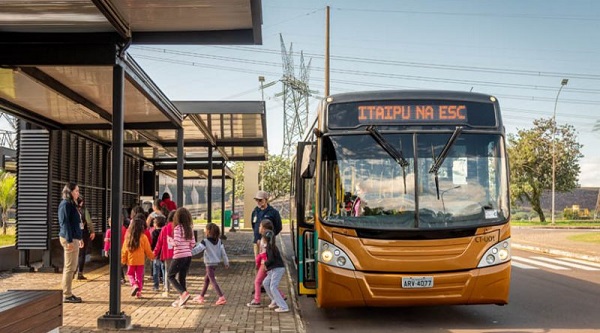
[(439, 160), (396, 155)]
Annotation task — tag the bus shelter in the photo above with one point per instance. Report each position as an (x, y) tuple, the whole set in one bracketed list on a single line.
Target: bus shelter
[(65, 71)]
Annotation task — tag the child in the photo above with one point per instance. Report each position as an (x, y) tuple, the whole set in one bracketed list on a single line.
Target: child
[(157, 265), (214, 253), (163, 248), (182, 242), (260, 259), (136, 245), (275, 270), (106, 251)]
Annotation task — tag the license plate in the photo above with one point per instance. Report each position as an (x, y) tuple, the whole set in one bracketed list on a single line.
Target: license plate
[(417, 282)]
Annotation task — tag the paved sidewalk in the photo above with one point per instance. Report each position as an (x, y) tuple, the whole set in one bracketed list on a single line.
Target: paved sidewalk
[(154, 313), (555, 241)]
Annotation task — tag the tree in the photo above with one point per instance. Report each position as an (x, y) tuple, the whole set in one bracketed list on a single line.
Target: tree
[(238, 173), (530, 156), (8, 195), (276, 175)]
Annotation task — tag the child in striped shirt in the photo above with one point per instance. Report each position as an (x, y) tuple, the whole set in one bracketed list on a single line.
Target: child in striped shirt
[(182, 243)]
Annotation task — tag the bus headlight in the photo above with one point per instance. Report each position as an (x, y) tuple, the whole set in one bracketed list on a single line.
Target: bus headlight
[(334, 256), (326, 256), (497, 254)]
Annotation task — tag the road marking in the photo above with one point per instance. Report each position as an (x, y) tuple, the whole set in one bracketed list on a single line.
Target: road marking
[(569, 264), (589, 263), (522, 265), (540, 263)]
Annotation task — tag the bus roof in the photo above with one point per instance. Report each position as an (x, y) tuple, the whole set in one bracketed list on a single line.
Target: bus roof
[(379, 95)]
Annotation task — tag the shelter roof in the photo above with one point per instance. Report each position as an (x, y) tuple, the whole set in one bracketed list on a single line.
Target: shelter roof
[(57, 65)]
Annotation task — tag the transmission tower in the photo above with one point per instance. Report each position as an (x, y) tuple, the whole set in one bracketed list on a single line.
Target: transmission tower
[(295, 96), (8, 137)]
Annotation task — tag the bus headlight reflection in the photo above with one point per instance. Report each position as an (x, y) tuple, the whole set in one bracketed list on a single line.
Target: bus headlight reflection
[(332, 255), (497, 254)]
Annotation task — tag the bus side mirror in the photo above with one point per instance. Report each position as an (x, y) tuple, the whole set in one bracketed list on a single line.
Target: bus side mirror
[(308, 163)]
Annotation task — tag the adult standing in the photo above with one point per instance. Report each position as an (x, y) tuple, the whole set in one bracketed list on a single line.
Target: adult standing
[(167, 202), (70, 238), (264, 211), (88, 234)]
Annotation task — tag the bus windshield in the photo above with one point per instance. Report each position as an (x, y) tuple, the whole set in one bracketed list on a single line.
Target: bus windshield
[(377, 182)]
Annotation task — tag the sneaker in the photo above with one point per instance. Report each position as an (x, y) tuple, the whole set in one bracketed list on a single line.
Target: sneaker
[(282, 310), (253, 304), (176, 304), (199, 299), (138, 294), (184, 298), (81, 277), (72, 299), (221, 301), (134, 291), (155, 289), (273, 305)]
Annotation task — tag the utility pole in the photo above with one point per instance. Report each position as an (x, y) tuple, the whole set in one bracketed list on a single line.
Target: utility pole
[(327, 52)]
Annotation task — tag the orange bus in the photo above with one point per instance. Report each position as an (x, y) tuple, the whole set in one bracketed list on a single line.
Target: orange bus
[(400, 198)]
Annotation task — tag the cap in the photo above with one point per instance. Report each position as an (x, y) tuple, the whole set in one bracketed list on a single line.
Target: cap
[(261, 195)]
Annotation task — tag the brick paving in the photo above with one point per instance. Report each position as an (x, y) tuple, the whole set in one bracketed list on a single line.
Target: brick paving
[(154, 313)]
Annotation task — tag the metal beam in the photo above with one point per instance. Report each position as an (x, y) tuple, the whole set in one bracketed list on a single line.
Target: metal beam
[(214, 37), (28, 115), (146, 86), (57, 54), (114, 17), (65, 91)]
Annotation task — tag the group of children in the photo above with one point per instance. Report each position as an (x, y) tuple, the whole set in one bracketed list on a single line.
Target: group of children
[(171, 246)]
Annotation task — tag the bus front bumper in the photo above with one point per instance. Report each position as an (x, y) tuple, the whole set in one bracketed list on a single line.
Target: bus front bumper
[(344, 288)]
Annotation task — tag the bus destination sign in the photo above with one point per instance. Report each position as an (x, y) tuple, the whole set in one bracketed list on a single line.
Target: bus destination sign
[(411, 112), (437, 113)]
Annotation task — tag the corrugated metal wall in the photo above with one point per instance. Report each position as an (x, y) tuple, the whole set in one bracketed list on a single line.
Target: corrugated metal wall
[(56, 158), (32, 193)]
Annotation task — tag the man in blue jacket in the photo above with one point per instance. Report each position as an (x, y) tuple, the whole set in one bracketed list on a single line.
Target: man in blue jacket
[(264, 211)]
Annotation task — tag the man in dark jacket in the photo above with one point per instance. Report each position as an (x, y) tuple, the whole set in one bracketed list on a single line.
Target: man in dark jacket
[(264, 211)]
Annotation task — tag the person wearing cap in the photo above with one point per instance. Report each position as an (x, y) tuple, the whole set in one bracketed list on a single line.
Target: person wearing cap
[(264, 211)]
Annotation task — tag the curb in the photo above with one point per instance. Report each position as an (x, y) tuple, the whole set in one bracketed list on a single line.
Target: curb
[(292, 292), (557, 252)]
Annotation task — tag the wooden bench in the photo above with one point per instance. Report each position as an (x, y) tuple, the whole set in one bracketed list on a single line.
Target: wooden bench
[(30, 311)]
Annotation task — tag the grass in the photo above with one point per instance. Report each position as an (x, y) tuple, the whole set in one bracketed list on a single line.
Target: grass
[(591, 237), (560, 223), (9, 238)]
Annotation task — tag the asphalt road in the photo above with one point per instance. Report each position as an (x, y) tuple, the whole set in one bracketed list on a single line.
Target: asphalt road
[(547, 295)]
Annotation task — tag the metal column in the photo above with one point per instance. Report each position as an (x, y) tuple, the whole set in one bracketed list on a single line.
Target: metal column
[(180, 162), (114, 318)]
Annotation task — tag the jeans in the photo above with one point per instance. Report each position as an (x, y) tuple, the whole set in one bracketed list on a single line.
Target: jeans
[(271, 284), (157, 272)]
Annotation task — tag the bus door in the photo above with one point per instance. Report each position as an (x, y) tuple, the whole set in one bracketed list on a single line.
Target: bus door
[(306, 239)]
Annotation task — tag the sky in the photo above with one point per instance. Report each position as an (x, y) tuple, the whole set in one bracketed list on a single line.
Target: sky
[(516, 50)]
